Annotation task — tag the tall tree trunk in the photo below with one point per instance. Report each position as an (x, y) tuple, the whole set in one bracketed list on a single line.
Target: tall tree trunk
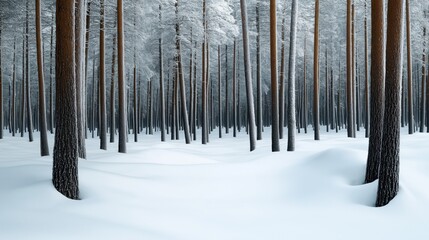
[(248, 76), (305, 110), (275, 144), (388, 185), (51, 80), (326, 91), (112, 93), (291, 94), (65, 166), (316, 75), (102, 82), (87, 42), (423, 85), (234, 90), (1, 86), (122, 124), (204, 126), (258, 75), (377, 90), (27, 75), (161, 79), (353, 69), (227, 116), (282, 79), (13, 111), (135, 110), (93, 98), (23, 103), (366, 76), (44, 149), (219, 77), (350, 71), (181, 80), (410, 71), (79, 51)]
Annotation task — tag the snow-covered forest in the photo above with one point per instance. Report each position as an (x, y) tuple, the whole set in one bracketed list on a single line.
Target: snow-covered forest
[(134, 119)]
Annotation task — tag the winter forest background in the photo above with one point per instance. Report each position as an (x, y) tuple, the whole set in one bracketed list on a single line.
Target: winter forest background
[(144, 111)]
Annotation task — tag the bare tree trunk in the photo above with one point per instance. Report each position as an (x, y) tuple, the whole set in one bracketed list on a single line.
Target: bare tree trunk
[(161, 80), (410, 72), (227, 116), (316, 75), (353, 69), (23, 103), (27, 76), (65, 166), (423, 85), (377, 91), (93, 98), (112, 94), (258, 76), (87, 42), (13, 112), (248, 76), (122, 127), (79, 51), (234, 90), (204, 84), (135, 110), (349, 71), (388, 185), (51, 88), (182, 81), (291, 94), (219, 92), (282, 80), (44, 149), (367, 120), (305, 109), (102, 82), (1, 87), (275, 145)]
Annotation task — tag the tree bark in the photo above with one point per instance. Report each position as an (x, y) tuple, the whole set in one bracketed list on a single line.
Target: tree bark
[(112, 93), (410, 72), (79, 48), (282, 80), (27, 75), (367, 120), (181, 80), (275, 144), (1, 86), (102, 82), (291, 94), (161, 80), (13, 111), (248, 76), (388, 185), (258, 74), (219, 78), (65, 166), (44, 149), (122, 148), (377, 91), (350, 70), (316, 75), (51, 80)]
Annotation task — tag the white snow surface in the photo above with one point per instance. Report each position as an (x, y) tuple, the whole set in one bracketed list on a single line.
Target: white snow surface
[(219, 191)]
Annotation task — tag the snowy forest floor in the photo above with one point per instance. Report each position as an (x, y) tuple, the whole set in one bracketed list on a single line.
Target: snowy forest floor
[(174, 191)]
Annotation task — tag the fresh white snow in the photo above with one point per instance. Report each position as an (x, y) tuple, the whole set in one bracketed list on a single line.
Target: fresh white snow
[(219, 191)]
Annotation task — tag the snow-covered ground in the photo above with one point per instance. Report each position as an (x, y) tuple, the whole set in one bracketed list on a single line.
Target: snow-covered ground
[(219, 191)]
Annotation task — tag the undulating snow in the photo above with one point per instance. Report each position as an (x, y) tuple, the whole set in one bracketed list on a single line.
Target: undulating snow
[(219, 191)]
